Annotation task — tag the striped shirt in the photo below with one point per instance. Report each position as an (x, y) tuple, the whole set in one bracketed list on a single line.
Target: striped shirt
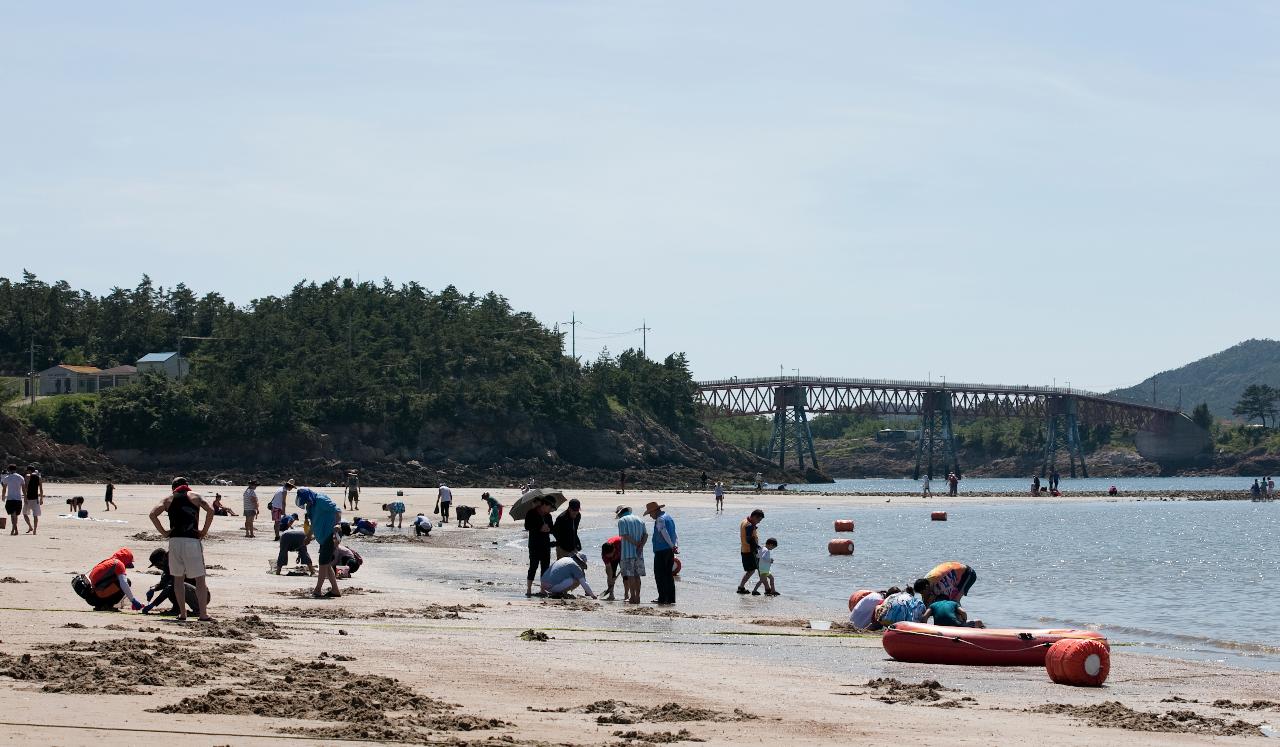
[(631, 527)]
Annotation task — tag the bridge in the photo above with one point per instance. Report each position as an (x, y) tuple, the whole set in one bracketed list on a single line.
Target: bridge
[(1163, 431)]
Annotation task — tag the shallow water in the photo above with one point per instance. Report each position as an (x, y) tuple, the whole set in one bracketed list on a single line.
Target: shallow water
[(1185, 579), (1005, 485)]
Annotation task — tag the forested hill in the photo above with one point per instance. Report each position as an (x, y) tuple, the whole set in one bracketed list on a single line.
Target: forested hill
[(357, 372), (1218, 380)]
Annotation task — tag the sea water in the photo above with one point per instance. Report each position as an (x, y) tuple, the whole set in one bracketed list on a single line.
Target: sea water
[(1183, 579), (1015, 485)]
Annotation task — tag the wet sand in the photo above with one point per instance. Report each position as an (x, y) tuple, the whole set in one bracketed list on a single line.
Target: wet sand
[(431, 652)]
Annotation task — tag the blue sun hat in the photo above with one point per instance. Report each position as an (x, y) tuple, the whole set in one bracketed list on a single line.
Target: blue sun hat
[(306, 498)]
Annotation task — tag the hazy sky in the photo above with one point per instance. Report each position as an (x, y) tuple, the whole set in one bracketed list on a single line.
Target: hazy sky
[(1007, 192)]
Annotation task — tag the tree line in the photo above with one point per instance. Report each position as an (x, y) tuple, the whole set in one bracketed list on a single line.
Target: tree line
[(336, 352)]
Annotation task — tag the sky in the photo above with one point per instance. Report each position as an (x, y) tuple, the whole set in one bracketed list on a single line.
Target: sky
[(1001, 192)]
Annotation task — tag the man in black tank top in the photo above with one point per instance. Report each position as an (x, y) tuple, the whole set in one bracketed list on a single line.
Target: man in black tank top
[(186, 553)]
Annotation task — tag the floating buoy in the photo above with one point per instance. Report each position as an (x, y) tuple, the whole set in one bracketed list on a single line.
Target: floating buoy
[(840, 547), (844, 525), (1083, 662), (856, 597), (938, 516), (675, 569)]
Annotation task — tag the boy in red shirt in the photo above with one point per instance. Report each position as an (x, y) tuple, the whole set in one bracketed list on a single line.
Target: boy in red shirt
[(611, 555)]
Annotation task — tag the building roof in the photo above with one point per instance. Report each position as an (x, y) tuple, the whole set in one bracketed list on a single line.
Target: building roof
[(74, 369), (120, 371), (156, 357)]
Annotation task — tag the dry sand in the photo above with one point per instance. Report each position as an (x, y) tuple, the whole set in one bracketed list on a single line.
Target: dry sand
[(431, 652)]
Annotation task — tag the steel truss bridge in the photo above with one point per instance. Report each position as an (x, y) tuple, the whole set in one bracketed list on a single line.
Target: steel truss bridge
[(790, 400)]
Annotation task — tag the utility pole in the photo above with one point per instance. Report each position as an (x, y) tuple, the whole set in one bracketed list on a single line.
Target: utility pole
[(645, 329), (573, 334), (31, 371)]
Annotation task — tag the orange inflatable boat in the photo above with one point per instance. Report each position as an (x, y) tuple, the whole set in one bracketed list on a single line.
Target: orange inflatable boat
[(992, 647)]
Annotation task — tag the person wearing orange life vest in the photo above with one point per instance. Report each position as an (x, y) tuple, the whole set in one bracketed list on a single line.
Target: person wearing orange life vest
[(108, 583)]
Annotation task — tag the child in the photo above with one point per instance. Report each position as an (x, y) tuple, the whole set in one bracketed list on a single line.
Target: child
[(395, 511), (421, 526), (495, 509), (947, 612), (766, 570)]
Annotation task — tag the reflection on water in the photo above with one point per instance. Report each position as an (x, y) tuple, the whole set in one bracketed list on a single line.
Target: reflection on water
[(1003, 485)]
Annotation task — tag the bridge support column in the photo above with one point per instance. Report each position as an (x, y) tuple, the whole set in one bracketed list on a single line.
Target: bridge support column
[(935, 434), (791, 422), (1062, 426)]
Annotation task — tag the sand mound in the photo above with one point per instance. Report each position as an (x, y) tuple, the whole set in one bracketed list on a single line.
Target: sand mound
[(620, 712), (1116, 715), (655, 612), (634, 737), (119, 666)]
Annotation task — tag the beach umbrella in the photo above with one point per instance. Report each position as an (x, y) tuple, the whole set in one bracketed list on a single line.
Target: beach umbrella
[(527, 501)]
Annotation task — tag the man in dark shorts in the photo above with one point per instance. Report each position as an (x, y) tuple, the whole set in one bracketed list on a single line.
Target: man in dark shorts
[(110, 497), (34, 500), (353, 490), (749, 539), (15, 488)]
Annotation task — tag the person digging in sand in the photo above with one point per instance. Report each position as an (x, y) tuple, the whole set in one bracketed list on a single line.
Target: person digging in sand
[(163, 591), (107, 584), (565, 575), (186, 553), (323, 515), (295, 540)]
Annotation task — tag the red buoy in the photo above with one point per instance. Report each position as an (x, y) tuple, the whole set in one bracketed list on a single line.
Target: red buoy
[(840, 547), (844, 525), (856, 597), (938, 516), (675, 569), (1083, 662)]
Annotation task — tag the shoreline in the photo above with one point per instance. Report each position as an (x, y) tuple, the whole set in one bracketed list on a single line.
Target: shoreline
[(443, 617)]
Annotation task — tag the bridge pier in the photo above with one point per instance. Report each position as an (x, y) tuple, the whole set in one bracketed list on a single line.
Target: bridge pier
[(791, 422), (1060, 417), (935, 433)]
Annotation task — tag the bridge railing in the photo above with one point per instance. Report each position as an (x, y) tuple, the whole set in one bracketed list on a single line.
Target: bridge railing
[(821, 381)]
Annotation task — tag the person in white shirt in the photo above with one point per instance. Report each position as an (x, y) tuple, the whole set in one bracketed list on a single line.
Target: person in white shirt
[(15, 488), (445, 498), (277, 505), (719, 496), (925, 490), (250, 507)]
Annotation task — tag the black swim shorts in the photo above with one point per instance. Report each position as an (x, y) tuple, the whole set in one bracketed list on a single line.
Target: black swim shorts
[(749, 561)]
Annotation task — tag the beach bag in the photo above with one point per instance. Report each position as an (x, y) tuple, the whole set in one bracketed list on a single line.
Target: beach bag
[(83, 588), (436, 510)]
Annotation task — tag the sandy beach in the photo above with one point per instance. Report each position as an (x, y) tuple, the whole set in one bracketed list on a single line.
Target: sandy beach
[(426, 647)]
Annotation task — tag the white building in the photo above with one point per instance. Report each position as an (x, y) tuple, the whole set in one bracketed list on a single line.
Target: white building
[(170, 364)]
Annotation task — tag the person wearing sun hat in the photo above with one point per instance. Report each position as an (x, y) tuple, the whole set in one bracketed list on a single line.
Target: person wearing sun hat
[(634, 536), (665, 548), (323, 514)]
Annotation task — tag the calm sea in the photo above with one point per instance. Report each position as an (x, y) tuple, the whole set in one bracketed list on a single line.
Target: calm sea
[(1002, 485), (1182, 579)]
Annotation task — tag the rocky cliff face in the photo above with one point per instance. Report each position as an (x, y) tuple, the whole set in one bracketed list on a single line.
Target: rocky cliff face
[(24, 445)]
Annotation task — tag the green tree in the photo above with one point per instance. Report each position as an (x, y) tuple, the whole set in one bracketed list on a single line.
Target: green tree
[(1258, 401), (1201, 416)]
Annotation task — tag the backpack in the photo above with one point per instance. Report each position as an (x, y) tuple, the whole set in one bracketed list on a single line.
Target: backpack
[(83, 588)]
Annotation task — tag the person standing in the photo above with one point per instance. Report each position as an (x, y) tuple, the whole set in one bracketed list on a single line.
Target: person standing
[(34, 500), (444, 497), (251, 507), (15, 488), (1035, 484), (186, 553), (925, 490), (622, 482), (749, 541), (538, 524), (110, 497), (323, 515), (704, 479), (634, 536), (277, 505), (565, 530), (759, 481), (719, 491), (353, 490), (665, 549)]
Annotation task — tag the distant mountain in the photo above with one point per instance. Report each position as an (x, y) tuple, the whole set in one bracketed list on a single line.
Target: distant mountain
[(1218, 379)]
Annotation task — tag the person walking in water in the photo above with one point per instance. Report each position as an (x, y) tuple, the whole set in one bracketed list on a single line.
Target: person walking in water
[(719, 496), (749, 539), (186, 553)]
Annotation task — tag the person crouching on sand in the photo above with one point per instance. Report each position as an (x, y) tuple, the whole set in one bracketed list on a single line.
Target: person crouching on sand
[(422, 526), (107, 584), (951, 614), (323, 516), (565, 575), (163, 591)]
